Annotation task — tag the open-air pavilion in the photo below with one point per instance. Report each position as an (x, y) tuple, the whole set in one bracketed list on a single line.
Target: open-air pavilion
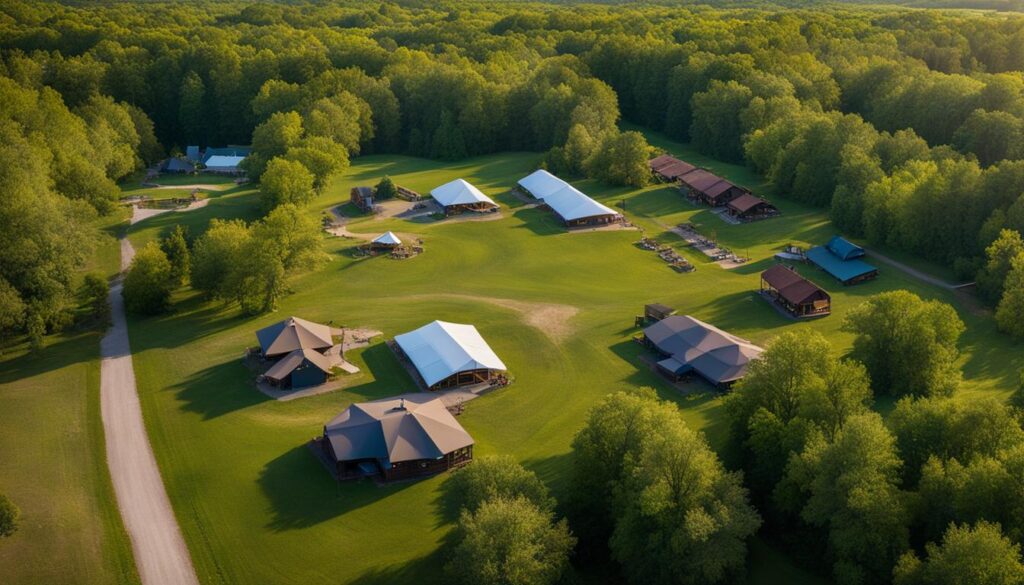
[(387, 241), (447, 355), (224, 164), (460, 196), (407, 436), (572, 206), (748, 207), (793, 293), (669, 168), (708, 188), (688, 345)]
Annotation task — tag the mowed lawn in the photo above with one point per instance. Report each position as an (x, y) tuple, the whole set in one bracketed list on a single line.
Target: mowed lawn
[(255, 505), (52, 457)]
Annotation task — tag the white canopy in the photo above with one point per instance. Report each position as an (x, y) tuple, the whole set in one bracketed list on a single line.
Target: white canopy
[(567, 201), (459, 192), (440, 350), (388, 239)]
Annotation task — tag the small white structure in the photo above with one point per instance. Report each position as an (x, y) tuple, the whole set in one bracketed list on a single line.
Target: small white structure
[(387, 239), (569, 203), (219, 163), (459, 195), (449, 354)]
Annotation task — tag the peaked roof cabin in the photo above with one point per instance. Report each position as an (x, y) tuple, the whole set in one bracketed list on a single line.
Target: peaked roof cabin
[(750, 207), (362, 197), (709, 188), (793, 293), (396, 438), (459, 195), (842, 259), (291, 334), (176, 165), (691, 345), (571, 205), (669, 168), (449, 354), (300, 368)]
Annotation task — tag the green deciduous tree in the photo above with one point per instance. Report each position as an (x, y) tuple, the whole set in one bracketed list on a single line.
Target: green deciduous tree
[(621, 159), (9, 516), (909, 345), (93, 293), (491, 478), (681, 518), (175, 246), (509, 542), (323, 157), (385, 189), (285, 182), (1010, 312), (975, 555), (999, 256), (149, 282), (848, 486)]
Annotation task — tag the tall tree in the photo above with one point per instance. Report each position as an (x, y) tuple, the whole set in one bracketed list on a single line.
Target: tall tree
[(978, 555), (909, 345)]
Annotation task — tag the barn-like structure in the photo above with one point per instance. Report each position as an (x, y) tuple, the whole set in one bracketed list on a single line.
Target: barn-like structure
[(793, 293), (710, 189), (460, 196), (748, 207), (668, 168), (571, 205), (842, 259), (407, 436), (448, 355), (688, 345)]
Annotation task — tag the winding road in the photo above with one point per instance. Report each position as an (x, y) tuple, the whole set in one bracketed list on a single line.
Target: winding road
[(160, 552)]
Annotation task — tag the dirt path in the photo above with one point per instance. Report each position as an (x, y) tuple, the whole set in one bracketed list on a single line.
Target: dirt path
[(159, 549), (551, 318), (913, 271), (139, 214), (200, 186)]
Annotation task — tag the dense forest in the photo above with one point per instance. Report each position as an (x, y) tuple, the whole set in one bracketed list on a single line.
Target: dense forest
[(906, 125)]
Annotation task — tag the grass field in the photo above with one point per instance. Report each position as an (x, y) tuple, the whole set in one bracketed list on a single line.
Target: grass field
[(254, 504), (52, 457)]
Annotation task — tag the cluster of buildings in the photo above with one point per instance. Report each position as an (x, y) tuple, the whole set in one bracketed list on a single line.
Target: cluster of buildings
[(406, 436), (704, 187), (221, 161)]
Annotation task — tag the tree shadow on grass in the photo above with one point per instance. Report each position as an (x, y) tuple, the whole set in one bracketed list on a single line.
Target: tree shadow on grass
[(219, 390), (423, 570), (302, 492), (16, 365)]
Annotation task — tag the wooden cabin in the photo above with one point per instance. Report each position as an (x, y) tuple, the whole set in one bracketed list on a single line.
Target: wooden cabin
[(362, 198), (748, 207), (793, 293), (657, 311)]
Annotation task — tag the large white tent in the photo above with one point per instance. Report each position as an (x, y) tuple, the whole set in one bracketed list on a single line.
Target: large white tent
[(459, 192), (440, 350), (568, 202)]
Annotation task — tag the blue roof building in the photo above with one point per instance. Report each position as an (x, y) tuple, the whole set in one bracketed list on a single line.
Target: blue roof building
[(192, 153), (841, 258)]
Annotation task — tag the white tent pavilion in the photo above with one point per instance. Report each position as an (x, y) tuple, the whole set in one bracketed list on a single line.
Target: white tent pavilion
[(449, 354), (572, 205), (459, 195)]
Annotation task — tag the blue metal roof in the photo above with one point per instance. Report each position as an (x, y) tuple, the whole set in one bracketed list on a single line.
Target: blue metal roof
[(845, 249), (844, 270), (192, 153), (239, 151)]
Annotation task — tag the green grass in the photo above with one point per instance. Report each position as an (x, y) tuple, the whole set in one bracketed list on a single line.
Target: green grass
[(256, 507), (54, 468)]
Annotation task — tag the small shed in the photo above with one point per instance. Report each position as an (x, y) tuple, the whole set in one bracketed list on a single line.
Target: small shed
[(362, 198), (657, 311)]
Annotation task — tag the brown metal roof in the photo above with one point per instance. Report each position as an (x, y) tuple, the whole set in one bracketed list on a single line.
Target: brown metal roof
[(291, 334), (746, 202), (701, 180), (717, 355), (791, 286), (288, 363), (675, 170), (660, 161), (410, 427)]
